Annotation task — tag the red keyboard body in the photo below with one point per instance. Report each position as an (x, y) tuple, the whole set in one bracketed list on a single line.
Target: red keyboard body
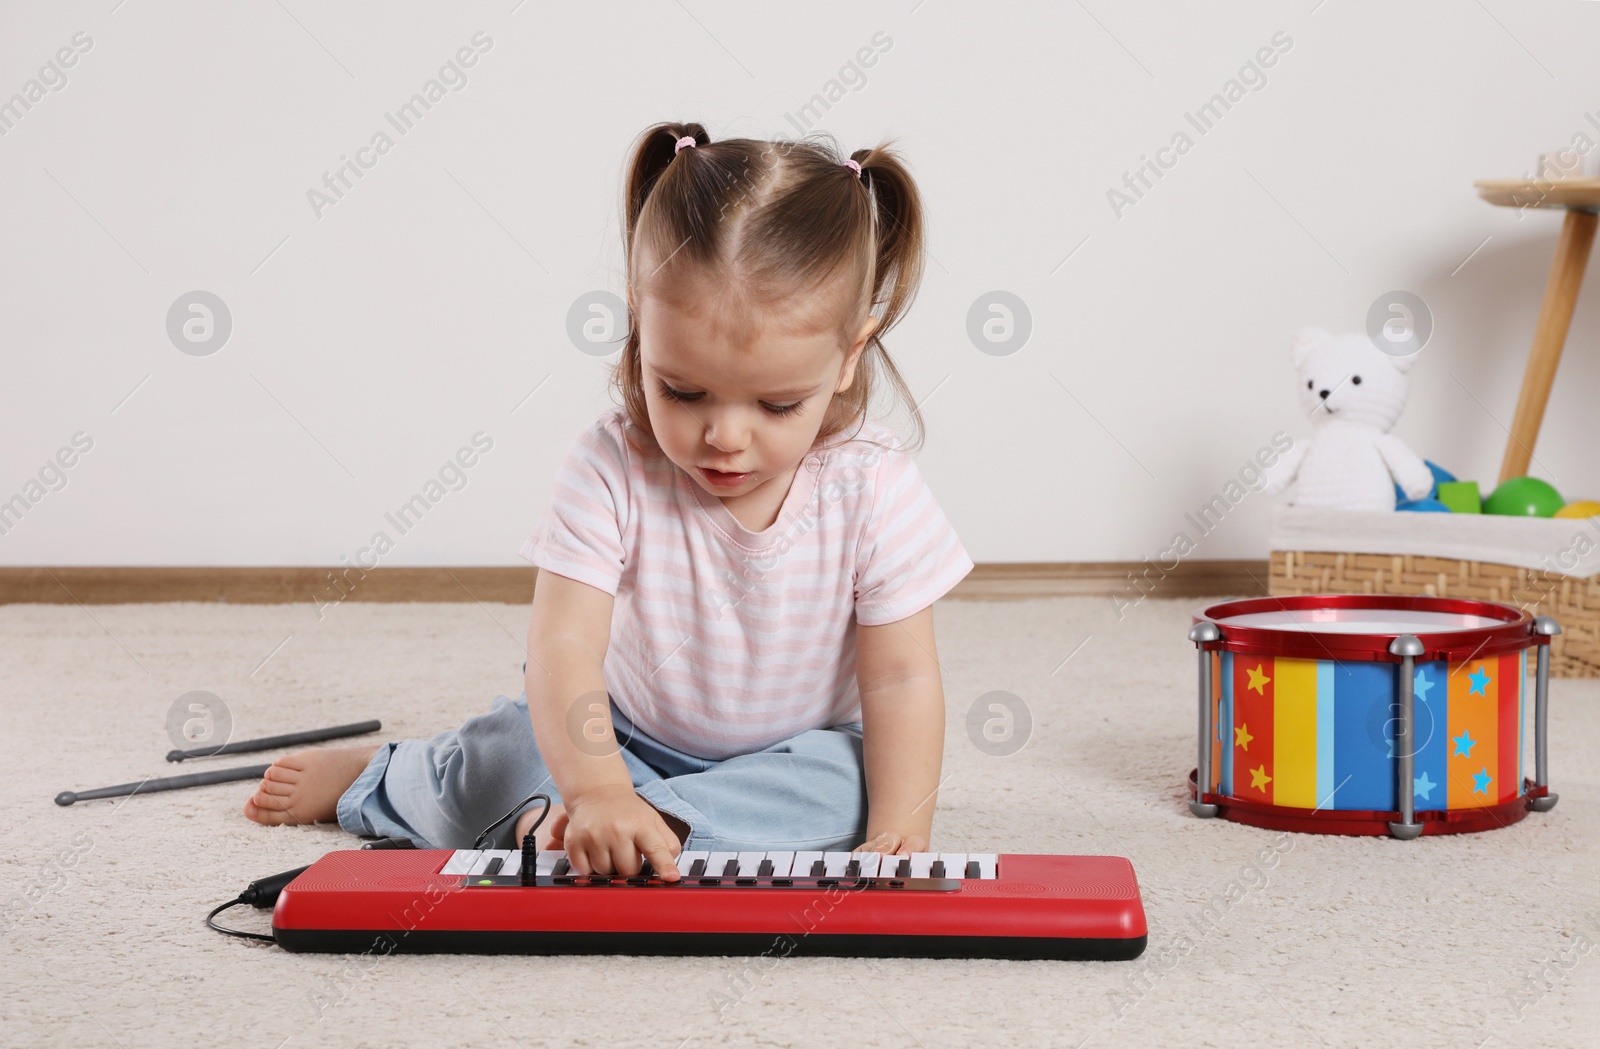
[(1037, 906)]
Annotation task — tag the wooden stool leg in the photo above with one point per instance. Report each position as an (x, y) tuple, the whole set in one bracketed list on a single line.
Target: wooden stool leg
[(1555, 316)]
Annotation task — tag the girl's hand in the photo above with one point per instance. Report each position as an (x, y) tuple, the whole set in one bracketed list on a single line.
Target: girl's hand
[(894, 843), (607, 829)]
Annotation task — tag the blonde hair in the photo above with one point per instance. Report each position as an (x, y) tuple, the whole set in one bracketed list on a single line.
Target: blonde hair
[(768, 222)]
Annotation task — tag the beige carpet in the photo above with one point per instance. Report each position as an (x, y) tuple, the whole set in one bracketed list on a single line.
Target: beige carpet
[(1466, 941)]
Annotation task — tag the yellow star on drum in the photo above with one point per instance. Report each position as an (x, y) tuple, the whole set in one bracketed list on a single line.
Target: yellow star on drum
[(1259, 778), (1242, 737), (1257, 678)]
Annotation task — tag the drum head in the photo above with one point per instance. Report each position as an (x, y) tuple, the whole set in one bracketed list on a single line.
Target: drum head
[(1363, 626), (1360, 620)]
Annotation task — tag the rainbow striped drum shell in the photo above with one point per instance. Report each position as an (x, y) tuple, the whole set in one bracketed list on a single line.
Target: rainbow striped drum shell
[(1369, 714)]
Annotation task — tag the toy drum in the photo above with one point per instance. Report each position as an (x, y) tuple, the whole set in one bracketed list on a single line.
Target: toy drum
[(1369, 714)]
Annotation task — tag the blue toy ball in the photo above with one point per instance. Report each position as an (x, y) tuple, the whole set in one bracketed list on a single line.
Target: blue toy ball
[(1440, 476), (1426, 505)]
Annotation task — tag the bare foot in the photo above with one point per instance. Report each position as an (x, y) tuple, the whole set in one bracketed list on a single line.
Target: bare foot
[(304, 787)]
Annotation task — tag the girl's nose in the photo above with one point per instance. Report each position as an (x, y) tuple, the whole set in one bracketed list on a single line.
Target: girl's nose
[(724, 436)]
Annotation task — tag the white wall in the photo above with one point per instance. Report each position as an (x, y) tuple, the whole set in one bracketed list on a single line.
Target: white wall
[(371, 342)]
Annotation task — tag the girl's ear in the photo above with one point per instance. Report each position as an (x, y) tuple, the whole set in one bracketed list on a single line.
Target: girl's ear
[(866, 330), (853, 356)]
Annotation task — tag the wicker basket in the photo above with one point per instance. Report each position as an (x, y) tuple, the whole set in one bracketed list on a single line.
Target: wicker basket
[(1574, 600)]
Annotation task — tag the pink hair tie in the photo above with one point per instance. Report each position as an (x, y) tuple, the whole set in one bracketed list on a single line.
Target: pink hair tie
[(853, 164), (687, 140)]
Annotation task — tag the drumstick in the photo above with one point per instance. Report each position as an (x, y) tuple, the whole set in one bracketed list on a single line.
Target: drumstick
[(149, 786), (288, 739)]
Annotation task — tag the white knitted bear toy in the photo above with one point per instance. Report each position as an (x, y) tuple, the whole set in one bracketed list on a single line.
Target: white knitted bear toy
[(1354, 393)]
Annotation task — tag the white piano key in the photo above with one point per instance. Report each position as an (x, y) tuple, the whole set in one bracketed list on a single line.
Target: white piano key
[(460, 861), (834, 863), (686, 860), (512, 865), (986, 864), (546, 864), (782, 862), (749, 863), (484, 857), (803, 862), (955, 864), (920, 862), (869, 862), (717, 862)]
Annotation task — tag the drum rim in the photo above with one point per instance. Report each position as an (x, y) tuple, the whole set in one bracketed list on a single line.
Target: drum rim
[(1514, 631), (1373, 822)]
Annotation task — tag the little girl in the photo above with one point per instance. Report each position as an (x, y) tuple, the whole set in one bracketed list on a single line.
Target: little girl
[(731, 644)]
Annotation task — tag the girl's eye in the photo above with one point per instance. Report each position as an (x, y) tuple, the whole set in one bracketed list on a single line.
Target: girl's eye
[(676, 395), (679, 395)]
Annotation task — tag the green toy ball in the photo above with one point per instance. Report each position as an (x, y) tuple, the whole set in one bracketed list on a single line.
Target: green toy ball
[(1524, 497)]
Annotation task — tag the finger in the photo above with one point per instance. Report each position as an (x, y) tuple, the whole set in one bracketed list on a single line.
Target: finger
[(625, 854), (654, 847), (605, 859), (669, 838), (661, 858)]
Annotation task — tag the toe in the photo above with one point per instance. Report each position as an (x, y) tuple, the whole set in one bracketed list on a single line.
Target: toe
[(282, 773), (270, 800), (257, 814), (276, 787)]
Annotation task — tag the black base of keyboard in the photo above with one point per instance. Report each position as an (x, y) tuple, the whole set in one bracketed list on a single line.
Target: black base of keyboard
[(731, 944)]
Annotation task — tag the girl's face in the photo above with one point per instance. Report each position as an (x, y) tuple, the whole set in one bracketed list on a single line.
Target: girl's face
[(746, 399)]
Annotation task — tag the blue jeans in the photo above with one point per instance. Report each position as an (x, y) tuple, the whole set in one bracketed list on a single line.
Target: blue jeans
[(805, 793)]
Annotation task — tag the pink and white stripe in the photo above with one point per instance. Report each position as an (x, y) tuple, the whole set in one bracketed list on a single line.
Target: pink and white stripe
[(725, 641)]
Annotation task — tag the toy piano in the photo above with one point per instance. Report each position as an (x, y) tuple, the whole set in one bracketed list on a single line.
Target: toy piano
[(928, 905)]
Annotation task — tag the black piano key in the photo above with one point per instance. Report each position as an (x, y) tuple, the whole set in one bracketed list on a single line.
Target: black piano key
[(904, 870), (561, 867), (937, 870), (494, 866), (697, 868), (644, 869), (765, 869), (730, 869), (973, 870), (852, 869), (818, 869)]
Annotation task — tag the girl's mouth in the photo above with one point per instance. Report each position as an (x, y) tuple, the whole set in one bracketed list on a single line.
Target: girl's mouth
[(723, 480)]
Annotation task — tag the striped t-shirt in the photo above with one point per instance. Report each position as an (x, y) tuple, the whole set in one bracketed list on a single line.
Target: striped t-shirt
[(725, 641)]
